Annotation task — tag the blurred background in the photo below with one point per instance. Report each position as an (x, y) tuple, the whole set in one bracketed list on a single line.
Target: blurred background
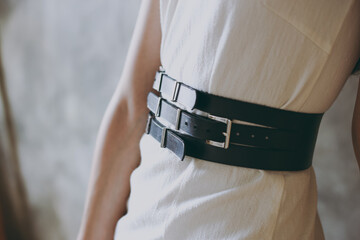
[(62, 61)]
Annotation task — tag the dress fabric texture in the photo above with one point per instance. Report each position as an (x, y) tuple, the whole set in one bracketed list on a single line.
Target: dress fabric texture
[(288, 54)]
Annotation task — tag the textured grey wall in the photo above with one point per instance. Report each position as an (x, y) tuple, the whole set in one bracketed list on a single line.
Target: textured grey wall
[(63, 60)]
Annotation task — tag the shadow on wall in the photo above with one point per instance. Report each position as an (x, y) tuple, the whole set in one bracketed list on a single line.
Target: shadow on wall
[(15, 218)]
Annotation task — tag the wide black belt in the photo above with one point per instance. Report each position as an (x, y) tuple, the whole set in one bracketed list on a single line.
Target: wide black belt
[(281, 140)]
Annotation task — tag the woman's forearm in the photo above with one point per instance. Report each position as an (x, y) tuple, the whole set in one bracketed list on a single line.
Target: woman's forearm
[(115, 158), (117, 151)]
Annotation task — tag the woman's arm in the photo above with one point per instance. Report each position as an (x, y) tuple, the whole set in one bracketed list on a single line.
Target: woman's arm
[(117, 151), (355, 129)]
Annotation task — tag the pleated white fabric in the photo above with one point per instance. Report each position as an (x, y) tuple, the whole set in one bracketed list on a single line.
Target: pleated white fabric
[(288, 54)]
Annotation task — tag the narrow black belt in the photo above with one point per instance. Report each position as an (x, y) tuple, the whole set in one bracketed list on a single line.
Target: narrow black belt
[(285, 142)]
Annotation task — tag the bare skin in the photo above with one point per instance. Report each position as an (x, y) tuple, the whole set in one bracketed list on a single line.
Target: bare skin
[(117, 151)]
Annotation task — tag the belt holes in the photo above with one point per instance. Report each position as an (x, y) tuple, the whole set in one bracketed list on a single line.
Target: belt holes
[(186, 123), (195, 126)]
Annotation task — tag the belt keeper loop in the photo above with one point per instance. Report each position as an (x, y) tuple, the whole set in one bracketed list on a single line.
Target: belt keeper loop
[(163, 136)]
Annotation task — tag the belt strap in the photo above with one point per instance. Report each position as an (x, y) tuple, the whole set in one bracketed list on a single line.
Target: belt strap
[(226, 107), (284, 141), (259, 158), (211, 130)]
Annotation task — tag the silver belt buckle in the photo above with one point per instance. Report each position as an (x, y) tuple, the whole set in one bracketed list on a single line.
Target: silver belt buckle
[(228, 122)]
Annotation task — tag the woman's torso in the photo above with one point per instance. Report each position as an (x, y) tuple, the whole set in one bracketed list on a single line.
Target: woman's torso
[(293, 55)]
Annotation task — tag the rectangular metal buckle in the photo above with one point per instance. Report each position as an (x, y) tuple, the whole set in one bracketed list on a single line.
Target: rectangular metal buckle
[(228, 122)]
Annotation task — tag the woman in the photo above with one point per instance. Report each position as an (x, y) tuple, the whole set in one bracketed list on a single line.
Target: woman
[(285, 54)]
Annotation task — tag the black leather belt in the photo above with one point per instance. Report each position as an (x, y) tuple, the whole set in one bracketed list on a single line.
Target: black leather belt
[(285, 140)]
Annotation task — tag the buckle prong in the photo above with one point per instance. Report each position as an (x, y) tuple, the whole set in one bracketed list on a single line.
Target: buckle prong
[(228, 123)]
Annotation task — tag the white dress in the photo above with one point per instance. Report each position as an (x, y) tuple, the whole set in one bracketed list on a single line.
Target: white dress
[(287, 54)]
